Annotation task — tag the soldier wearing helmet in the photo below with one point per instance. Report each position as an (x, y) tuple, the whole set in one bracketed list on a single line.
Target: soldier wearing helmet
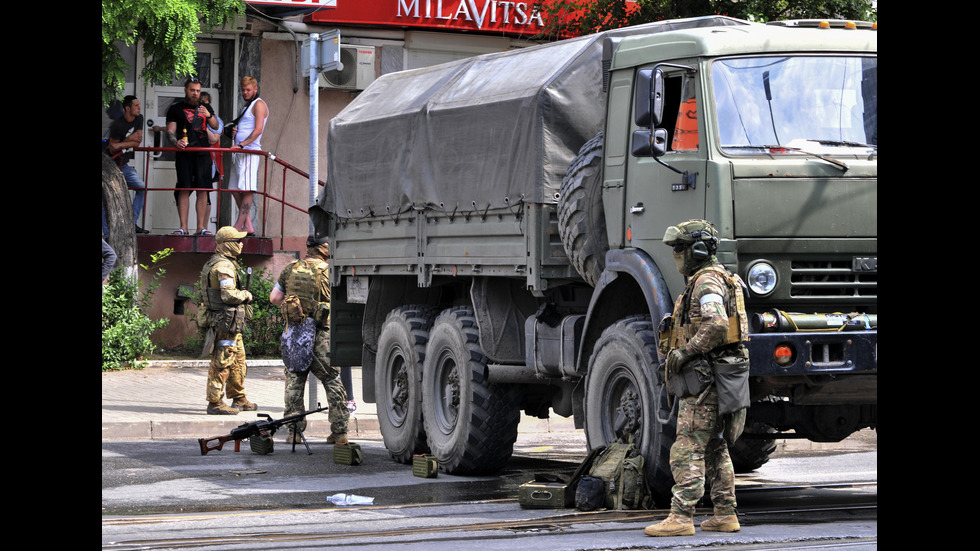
[(703, 339), (303, 292), (227, 311)]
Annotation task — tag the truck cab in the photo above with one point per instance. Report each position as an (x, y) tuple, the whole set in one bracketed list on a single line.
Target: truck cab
[(771, 134)]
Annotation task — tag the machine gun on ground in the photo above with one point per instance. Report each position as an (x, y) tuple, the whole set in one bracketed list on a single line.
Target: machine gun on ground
[(264, 428)]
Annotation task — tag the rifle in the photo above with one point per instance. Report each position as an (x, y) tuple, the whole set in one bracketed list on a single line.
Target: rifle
[(248, 280), (263, 427)]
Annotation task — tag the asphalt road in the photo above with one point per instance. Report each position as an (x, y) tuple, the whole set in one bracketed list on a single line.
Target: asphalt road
[(162, 494)]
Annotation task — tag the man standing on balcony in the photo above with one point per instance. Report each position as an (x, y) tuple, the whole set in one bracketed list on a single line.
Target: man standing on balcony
[(248, 136), (187, 123), (125, 134)]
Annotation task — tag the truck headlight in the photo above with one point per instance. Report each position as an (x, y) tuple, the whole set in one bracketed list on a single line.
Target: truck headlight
[(762, 278)]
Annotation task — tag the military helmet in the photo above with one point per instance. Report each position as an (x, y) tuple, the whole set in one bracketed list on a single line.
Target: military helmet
[(228, 233), (698, 236), (313, 241), (691, 232)]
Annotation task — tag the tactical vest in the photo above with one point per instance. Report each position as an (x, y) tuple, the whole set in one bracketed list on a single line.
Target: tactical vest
[(210, 295), (215, 313), (738, 324), (304, 281)]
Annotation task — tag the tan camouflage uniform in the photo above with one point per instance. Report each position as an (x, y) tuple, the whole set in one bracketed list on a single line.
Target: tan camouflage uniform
[(328, 375), (700, 451), (228, 368)]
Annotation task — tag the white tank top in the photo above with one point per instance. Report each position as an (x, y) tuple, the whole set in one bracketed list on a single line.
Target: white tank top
[(247, 124)]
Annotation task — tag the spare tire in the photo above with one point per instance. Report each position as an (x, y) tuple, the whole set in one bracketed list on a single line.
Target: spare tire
[(581, 220)]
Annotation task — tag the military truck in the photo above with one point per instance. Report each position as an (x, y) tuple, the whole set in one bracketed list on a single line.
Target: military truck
[(496, 223)]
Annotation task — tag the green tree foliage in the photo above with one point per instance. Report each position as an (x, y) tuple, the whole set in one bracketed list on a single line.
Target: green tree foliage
[(578, 17), (168, 29), (264, 331), (126, 328)]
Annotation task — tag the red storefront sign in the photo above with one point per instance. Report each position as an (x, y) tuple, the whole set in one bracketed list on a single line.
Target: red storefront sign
[(498, 16)]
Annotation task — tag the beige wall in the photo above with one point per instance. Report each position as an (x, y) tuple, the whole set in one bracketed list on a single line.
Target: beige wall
[(287, 136)]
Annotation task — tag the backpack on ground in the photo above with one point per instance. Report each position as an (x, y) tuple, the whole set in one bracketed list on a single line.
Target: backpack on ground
[(621, 468)]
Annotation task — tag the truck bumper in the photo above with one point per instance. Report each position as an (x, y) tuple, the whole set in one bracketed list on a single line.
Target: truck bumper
[(814, 353)]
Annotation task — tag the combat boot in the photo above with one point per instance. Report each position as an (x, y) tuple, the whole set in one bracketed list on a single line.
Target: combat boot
[(336, 438), (221, 408), (242, 404), (674, 525), (721, 523)]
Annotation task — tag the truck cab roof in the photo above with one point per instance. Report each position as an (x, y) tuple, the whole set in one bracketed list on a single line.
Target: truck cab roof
[(752, 38)]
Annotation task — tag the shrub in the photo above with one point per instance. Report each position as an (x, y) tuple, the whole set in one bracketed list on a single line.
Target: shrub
[(264, 331), (126, 328)]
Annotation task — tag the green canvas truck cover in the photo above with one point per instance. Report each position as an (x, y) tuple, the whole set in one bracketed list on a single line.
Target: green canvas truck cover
[(480, 133)]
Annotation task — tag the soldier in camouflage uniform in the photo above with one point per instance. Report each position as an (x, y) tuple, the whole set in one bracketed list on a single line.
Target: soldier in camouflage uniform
[(225, 304), (708, 325), (307, 279)]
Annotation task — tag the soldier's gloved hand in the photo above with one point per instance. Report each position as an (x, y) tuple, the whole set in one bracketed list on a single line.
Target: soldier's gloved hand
[(676, 359), (249, 299)]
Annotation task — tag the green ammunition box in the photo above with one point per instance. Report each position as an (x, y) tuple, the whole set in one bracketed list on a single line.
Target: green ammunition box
[(425, 466), (261, 445), (549, 491), (546, 495), (348, 454)]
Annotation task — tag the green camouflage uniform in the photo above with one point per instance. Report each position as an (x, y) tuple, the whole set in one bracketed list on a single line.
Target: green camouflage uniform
[(228, 368), (700, 451), (328, 375)]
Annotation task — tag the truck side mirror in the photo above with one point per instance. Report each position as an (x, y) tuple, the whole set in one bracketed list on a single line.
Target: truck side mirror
[(649, 143), (648, 108)]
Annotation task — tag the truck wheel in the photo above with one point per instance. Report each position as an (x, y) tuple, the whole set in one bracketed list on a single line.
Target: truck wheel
[(398, 378), (470, 423), (581, 220), (748, 454), (622, 395)]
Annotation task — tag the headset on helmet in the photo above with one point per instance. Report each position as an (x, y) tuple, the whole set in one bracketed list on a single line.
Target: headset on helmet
[(705, 243)]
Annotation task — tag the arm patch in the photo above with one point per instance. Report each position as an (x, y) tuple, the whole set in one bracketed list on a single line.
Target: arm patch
[(712, 297)]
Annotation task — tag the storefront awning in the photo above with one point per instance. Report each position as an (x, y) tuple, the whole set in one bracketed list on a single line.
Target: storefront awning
[(286, 8)]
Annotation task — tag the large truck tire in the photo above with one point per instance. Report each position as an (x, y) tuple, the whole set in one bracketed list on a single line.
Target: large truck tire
[(581, 220), (398, 379), (748, 454), (470, 423), (622, 395)]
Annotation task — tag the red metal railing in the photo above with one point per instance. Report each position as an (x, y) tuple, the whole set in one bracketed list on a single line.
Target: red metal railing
[(217, 154)]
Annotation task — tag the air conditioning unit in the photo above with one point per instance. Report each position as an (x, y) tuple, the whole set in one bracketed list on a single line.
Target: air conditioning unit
[(357, 69)]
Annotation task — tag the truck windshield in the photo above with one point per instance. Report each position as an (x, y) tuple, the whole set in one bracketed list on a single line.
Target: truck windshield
[(817, 104)]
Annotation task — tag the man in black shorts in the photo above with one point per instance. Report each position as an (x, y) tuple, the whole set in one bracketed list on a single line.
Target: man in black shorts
[(186, 127)]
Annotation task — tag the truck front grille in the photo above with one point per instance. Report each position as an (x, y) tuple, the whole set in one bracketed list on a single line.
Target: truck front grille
[(832, 278)]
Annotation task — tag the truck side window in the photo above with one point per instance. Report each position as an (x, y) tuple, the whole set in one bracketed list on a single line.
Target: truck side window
[(680, 113), (686, 128)]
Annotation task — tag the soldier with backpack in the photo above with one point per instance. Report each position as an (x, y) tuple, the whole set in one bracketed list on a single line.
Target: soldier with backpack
[(303, 293)]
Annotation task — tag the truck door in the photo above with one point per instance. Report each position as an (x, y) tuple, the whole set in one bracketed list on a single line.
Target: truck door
[(666, 190)]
